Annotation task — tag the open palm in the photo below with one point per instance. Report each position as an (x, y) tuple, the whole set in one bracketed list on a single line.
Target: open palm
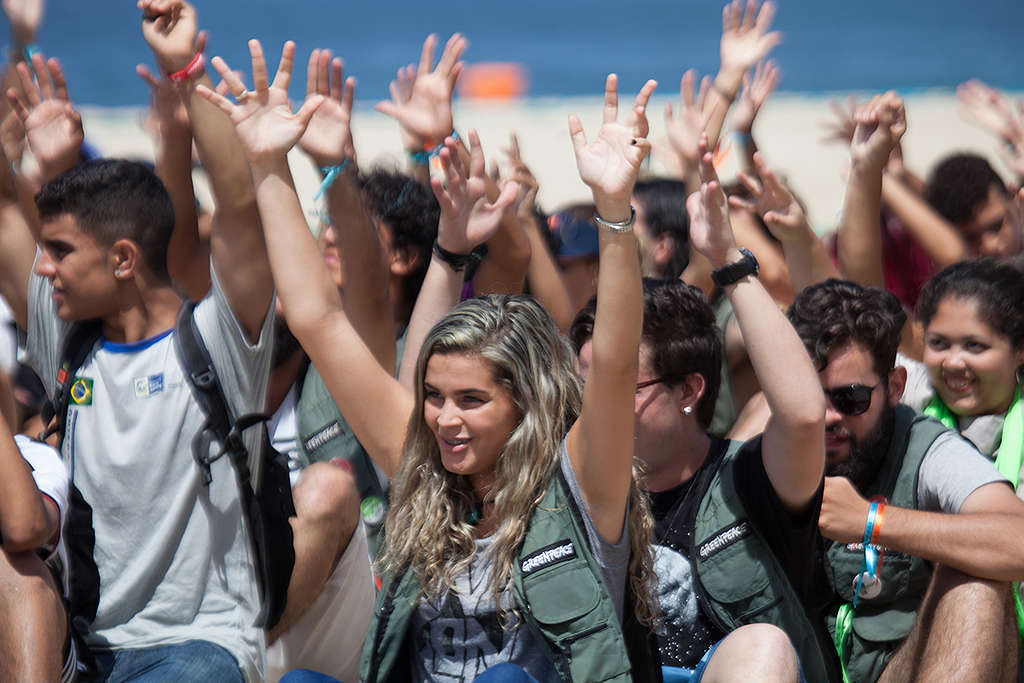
[(611, 163)]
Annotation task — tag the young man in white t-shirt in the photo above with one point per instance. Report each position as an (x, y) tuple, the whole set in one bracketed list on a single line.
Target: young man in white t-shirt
[(34, 638)]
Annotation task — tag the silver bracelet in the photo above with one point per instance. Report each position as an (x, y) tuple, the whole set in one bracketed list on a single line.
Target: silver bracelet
[(619, 227)]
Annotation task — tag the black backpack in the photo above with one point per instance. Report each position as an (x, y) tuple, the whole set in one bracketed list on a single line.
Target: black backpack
[(263, 482)]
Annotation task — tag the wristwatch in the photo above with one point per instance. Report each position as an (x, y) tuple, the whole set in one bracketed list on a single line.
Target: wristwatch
[(734, 272)]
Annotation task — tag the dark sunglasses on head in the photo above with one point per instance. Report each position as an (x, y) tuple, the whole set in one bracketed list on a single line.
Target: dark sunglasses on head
[(851, 399)]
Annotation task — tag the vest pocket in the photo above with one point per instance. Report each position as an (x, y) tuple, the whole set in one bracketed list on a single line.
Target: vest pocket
[(731, 574), (561, 596)]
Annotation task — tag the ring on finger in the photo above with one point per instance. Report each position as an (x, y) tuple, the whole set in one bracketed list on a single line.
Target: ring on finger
[(242, 95)]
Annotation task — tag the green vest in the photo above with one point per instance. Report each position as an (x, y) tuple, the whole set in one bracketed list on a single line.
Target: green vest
[(739, 578), (881, 624), (559, 592), (325, 435), (726, 411)]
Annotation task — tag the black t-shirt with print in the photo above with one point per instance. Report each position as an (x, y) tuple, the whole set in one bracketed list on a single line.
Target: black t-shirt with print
[(688, 632)]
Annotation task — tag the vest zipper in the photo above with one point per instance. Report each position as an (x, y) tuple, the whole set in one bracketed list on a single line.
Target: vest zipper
[(564, 643)]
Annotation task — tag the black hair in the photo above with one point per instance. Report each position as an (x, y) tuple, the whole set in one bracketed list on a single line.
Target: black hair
[(114, 199), (996, 287), (410, 209), (959, 185), (834, 313), (680, 333), (664, 205)]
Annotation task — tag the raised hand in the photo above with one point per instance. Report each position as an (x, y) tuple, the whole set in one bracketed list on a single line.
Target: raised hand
[(52, 126), (991, 109), (710, 230), (166, 110), (427, 111), (25, 17), (12, 137), (841, 128), (755, 91), (328, 137), (772, 201), (611, 163), (263, 116), (746, 38), (170, 28), (881, 124), (467, 218), (684, 130), (521, 174)]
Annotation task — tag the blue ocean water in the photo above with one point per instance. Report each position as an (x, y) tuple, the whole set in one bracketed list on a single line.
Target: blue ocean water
[(567, 45)]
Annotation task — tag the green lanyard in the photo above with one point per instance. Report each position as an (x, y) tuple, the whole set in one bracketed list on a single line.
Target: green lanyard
[(1008, 461), (844, 622)]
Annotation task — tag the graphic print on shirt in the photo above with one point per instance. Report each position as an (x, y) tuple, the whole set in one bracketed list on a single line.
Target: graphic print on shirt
[(462, 636)]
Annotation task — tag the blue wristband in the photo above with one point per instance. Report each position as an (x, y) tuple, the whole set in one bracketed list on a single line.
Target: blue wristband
[(331, 174), (423, 158)]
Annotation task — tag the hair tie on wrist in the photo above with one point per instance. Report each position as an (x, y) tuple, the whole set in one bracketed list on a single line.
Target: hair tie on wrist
[(190, 70), (456, 262)]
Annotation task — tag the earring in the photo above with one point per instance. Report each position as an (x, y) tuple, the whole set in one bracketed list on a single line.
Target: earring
[(687, 410), (1017, 375)]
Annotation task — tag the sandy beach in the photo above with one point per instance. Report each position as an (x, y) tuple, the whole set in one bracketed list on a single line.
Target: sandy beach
[(788, 131)]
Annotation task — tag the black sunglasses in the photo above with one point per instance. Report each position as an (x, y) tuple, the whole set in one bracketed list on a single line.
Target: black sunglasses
[(852, 399)]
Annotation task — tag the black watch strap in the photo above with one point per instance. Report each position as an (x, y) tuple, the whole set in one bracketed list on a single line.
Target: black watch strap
[(734, 272)]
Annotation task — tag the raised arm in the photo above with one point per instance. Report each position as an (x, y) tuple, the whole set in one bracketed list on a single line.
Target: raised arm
[(328, 142), (188, 255), (880, 125), (794, 440), (467, 220), (421, 101), (368, 395), (600, 443), (17, 246), (805, 253), (756, 90), (236, 245), (542, 275)]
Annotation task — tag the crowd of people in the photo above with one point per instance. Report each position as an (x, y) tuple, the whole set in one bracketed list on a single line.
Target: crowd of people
[(670, 434)]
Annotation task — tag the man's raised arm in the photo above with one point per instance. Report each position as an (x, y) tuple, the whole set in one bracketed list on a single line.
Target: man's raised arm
[(236, 243)]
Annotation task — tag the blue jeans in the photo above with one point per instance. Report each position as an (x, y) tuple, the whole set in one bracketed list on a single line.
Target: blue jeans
[(194, 660), (500, 673)]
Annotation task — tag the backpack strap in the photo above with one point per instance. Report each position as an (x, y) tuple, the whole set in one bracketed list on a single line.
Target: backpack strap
[(263, 484), (78, 344), (208, 392)]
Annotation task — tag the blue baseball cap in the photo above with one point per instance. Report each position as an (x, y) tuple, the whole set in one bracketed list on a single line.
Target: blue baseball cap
[(577, 238)]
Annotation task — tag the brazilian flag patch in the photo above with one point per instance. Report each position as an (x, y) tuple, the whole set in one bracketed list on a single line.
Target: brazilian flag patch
[(81, 391)]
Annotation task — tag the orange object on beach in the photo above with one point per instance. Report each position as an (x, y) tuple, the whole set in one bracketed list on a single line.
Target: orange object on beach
[(494, 80)]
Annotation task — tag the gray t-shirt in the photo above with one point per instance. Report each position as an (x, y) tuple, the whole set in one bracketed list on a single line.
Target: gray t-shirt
[(459, 636), (173, 555)]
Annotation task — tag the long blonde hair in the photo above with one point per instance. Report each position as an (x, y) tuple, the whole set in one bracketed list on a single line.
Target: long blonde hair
[(427, 529)]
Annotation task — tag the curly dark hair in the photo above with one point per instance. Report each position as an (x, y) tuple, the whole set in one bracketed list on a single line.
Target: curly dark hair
[(995, 286), (834, 313), (410, 209), (680, 333), (959, 185), (664, 204)]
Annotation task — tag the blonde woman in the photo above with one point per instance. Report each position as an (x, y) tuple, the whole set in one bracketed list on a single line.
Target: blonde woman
[(515, 536)]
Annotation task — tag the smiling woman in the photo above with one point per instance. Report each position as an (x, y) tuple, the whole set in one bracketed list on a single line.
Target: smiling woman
[(974, 354)]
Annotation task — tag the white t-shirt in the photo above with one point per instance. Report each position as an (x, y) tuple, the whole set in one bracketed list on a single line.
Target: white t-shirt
[(173, 555), (52, 480)]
